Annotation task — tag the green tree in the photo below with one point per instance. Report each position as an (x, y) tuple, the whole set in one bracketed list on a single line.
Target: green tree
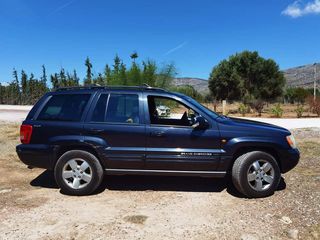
[(24, 88), (134, 75), (2, 93), (134, 56), (246, 76), (123, 74), (63, 78), (99, 80), (43, 82), (115, 80), (89, 75), (166, 75), (15, 88), (75, 78), (149, 73), (107, 75), (55, 81)]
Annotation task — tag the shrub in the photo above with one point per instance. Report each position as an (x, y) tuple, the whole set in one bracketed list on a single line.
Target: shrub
[(277, 110), (299, 110), (314, 105), (257, 105), (243, 109)]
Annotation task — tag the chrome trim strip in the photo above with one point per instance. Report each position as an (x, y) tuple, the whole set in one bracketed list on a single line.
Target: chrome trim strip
[(193, 150), (173, 172)]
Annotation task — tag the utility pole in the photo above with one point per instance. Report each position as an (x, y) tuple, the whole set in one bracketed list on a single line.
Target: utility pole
[(315, 82)]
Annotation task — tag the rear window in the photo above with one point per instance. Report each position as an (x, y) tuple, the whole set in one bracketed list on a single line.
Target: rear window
[(67, 107)]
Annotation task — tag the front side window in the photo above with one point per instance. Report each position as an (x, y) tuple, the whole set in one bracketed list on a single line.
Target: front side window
[(64, 107), (168, 111), (123, 108)]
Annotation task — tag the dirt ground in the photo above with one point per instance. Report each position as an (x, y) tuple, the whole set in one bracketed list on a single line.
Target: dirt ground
[(141, 207)]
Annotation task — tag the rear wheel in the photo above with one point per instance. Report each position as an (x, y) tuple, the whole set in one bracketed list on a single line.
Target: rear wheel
[(78, 172), (256, 174)]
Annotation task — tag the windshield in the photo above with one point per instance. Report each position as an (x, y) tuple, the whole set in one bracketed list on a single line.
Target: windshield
[(200, 106)]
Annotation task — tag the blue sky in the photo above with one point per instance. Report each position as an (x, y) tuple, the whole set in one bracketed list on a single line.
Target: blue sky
[(195, 35)]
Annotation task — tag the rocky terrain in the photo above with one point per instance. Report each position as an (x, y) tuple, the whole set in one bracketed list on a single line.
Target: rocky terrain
[(201, 85), (302, 76)]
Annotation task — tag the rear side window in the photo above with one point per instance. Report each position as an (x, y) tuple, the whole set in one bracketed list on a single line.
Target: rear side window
[(68, 107), (122, 108)]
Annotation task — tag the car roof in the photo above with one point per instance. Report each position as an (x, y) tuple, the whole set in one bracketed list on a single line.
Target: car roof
[(109, 88)]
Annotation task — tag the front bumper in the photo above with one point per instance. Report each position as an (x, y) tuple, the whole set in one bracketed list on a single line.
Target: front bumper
[(37, 155), (289, 159)]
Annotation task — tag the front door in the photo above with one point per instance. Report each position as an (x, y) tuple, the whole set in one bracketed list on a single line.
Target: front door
[(117, 119), (172, 142)]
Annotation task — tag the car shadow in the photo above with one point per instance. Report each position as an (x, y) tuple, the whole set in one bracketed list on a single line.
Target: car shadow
[(154, 183)]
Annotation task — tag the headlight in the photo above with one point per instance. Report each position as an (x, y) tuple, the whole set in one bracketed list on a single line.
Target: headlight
[(291, 141)]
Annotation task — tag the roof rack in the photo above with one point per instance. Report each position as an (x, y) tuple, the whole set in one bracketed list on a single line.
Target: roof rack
[(97, 86)]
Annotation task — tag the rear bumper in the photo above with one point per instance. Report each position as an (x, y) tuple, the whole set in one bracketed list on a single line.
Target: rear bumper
[(289, 159), (37, 155)]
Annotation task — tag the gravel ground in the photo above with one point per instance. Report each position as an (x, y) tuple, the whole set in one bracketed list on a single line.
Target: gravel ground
[(144, 207)]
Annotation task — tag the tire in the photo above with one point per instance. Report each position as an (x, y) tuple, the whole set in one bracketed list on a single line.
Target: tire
[(78, 173), (256, 174)]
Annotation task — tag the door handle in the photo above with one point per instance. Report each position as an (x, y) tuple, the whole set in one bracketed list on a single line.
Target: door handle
[(96, 130), (157, 133)]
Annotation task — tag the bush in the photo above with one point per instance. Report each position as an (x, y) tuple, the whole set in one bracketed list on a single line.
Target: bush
[(243, 109), (299, 110), (257, 105), (277, 110), (314, 105), (298, 95)]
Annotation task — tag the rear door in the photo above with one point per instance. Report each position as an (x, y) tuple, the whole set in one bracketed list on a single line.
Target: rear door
[(117, 118)]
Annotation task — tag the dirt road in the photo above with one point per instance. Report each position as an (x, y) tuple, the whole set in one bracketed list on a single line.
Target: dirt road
[(141, 207), (16, 114)]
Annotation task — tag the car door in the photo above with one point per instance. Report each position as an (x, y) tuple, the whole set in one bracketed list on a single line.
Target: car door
[(117, 119), (172, 143)]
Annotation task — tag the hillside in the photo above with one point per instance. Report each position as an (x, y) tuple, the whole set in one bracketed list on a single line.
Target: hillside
[(201, 85), (302, 76)]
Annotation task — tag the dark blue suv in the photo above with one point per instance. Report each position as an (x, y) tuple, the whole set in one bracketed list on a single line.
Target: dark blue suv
[(82, 133)]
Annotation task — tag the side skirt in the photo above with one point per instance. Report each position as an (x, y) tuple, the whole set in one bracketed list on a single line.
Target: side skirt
[(218, 174)]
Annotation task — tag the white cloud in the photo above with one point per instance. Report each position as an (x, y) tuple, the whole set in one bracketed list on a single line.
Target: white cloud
[(175, 48), (297, 9)]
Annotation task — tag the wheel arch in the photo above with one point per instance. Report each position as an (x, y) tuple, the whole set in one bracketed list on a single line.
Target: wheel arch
[(88, 148), (250, 148)]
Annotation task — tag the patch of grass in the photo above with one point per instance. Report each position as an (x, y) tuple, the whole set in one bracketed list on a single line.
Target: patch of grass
[(9, 138), (136, 219)]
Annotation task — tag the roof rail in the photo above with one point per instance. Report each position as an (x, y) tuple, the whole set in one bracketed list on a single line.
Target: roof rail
[(97, 86)]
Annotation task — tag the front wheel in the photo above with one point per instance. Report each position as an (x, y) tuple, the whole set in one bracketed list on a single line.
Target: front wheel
[(78, 173), (256, 174)]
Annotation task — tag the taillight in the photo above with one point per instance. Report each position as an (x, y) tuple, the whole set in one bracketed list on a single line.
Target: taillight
[(25, 133)]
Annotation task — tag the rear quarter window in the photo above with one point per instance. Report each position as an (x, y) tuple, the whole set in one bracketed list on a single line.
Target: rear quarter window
[(64, 107)]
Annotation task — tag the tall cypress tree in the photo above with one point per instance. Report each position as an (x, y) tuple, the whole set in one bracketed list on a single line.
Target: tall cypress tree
[(15, 88), (89, 75), (123, 74), (76, 78), (25, 88), (107, 75)]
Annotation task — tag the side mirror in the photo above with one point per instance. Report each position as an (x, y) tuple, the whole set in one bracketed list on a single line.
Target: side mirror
[(200, 123)]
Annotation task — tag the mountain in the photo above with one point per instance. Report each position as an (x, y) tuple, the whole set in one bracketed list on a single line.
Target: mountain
[(201, 85), (302, 76)]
